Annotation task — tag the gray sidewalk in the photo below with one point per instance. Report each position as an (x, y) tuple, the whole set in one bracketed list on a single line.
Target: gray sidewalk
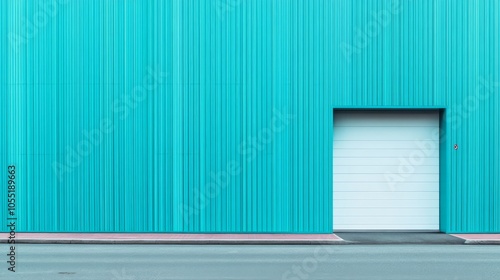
[(169, 238), (352, 238)]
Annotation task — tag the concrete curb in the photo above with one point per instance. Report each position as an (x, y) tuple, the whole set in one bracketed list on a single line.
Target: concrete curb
[(169, 238), (182, 242), (236, 242), (479, 239), (482, 242)]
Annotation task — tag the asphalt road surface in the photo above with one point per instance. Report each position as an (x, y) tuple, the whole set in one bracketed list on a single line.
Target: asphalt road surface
[(142, 262)]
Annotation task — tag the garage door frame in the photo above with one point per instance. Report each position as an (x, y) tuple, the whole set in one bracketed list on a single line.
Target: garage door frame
[(443, 147)]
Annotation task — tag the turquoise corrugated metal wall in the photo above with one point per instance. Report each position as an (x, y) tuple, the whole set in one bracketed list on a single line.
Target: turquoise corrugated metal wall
[(216, 116)]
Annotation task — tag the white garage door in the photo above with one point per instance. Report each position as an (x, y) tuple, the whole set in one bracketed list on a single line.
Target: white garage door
[(386, 170)]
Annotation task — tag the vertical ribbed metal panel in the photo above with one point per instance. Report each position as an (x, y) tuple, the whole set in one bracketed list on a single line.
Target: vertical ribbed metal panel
[(228, 73)]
